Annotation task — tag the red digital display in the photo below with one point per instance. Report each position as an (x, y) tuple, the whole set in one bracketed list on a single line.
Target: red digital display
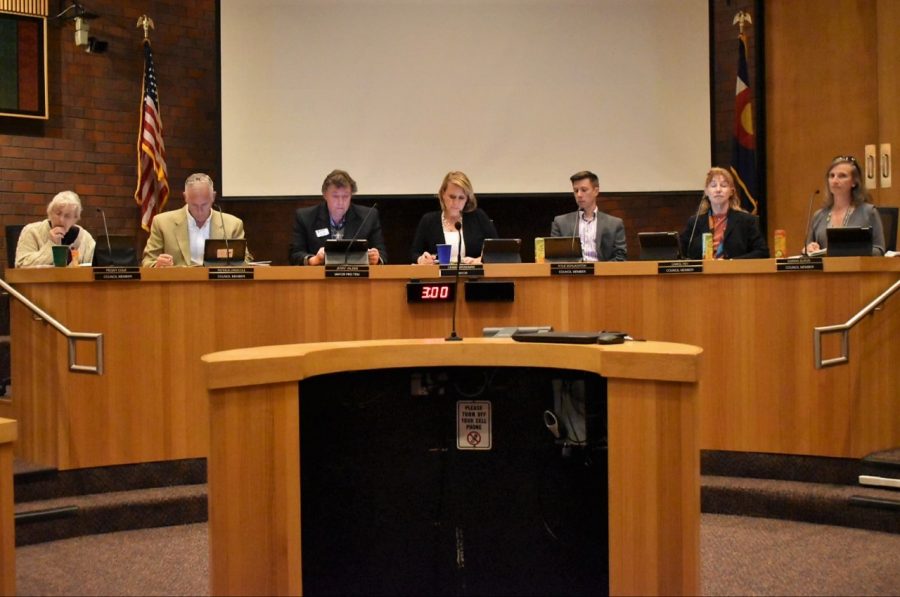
[(430, 292)]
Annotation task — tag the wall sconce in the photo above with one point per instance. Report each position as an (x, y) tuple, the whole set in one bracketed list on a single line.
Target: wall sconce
[(76, 12)]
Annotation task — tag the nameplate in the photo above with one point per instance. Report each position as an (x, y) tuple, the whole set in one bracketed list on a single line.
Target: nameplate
[(346, 271), (806, 264), (464, 270), (572, 269), (680, 267), (117, 274), (231, 273)]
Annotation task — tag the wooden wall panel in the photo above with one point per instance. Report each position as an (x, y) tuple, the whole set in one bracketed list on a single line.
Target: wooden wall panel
[(888, 23), (821, 60)]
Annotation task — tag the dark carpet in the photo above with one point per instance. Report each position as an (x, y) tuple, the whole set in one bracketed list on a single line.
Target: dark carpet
[(740, 556)]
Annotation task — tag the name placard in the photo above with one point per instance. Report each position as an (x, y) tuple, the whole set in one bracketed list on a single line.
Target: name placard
[(464, 270), (346, 271), (572, 269), (680, 267), (803, 264), (231, 273), (117, 273)]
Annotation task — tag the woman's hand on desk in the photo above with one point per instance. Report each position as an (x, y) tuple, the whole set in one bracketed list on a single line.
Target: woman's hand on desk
[(426, 258), (812, 247)]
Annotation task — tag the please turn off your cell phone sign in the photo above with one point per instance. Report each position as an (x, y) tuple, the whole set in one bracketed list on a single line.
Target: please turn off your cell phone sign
[(473, 425)]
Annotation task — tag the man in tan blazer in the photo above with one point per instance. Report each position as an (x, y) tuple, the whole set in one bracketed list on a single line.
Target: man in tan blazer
[(178, 237)]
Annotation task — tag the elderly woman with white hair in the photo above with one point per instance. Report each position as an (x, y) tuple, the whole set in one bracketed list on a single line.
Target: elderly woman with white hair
[(36, 241)]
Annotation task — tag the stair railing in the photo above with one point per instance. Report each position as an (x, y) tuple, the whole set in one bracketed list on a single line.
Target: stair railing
[(844, 330), (72, 337)]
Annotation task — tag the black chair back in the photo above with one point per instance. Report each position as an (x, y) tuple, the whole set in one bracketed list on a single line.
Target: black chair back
[(889, 223), (12, 241)]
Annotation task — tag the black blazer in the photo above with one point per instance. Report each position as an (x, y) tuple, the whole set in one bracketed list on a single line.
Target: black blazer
[(743, 239), (307, 220), (477, 226)]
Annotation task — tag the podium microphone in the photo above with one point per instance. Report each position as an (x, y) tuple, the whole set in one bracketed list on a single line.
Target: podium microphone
[(356, 235), (224, 235), (687, 249), (809, 218), (106, 232), (453, 337)]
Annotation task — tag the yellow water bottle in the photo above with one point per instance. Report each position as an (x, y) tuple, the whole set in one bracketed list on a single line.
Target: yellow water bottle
[(780, 244)]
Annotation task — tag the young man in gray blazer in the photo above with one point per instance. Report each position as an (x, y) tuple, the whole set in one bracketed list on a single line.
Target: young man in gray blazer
[(602, 235)]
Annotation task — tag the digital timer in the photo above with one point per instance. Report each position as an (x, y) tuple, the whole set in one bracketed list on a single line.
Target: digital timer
[(430, 292)]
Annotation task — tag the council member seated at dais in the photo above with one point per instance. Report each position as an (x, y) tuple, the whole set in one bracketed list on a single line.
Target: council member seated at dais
[(846, 205), (459, 206), (337, 217), (602, 235), (36, 241), (178, 237), (735, 233)]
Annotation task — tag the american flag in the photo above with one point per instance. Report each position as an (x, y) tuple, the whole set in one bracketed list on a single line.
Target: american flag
[(153, 183)]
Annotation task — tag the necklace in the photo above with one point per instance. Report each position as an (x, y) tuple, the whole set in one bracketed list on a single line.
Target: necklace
[(844, 220), (446, 224)]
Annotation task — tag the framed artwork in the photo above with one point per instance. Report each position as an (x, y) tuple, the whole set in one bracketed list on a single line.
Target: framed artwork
[(23, 66)]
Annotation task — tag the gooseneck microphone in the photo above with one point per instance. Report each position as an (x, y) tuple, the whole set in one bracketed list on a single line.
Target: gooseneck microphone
[(809, 220), (106, 232), (687, 249), (356, 235), (224, 235), (453, 337)]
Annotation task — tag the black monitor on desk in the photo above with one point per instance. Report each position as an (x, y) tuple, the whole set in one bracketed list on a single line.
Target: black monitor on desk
[(115, 251), (849, 242), (659, 246)]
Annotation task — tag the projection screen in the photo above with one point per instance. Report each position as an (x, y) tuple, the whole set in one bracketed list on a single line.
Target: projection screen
[(519, 94)]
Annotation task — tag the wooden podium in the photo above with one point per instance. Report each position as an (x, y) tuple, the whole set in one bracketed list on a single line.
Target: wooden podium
[(653, 457)]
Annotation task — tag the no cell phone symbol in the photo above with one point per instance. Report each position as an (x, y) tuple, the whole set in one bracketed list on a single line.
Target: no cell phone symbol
[(474, 438)]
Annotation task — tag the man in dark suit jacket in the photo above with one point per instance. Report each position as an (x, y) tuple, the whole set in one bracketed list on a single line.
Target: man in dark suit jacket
[(336, 217), (602, 235)]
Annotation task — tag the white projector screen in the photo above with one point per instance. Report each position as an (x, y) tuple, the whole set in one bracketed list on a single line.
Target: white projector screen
[(519, 94)]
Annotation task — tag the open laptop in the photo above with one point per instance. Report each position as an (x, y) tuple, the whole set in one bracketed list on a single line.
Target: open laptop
[(218, 252), (346, 252), (502, 250), (659, 246), (849, 242), (562, 249)]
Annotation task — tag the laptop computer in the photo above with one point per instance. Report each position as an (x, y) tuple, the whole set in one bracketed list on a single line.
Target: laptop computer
[(659, 246), (502, 250), (218, 252), (562, 249), (849, 242), (346, 251)]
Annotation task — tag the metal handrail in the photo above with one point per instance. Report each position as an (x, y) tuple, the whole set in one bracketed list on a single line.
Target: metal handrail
[(844, 330), (71, 336)]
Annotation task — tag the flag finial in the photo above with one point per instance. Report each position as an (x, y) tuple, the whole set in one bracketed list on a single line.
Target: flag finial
[(740, 19), (147, 23)]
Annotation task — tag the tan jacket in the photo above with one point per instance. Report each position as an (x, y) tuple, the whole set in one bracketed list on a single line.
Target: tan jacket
[(169, 234), (35, 247)]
